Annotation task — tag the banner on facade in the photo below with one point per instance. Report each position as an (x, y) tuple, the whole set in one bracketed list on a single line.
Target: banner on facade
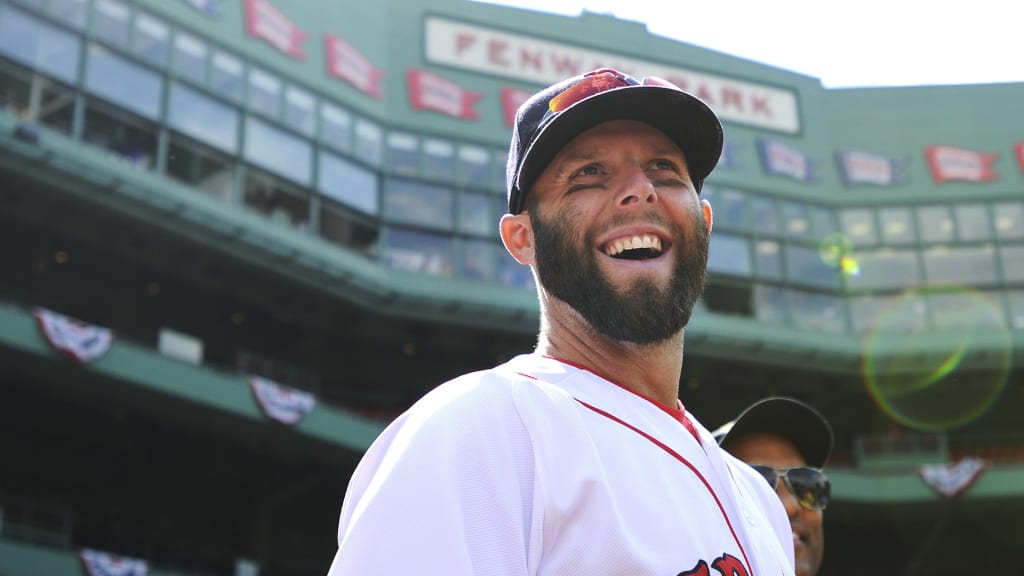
[(281, 403), (346, 63), (858, 167), (948, 163), (98, 563), (952, 480), (784, 160), (264, 21), (83, 342), (511, 100), (428, 91)]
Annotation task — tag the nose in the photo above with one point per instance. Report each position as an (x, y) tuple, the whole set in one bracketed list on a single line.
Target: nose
[(636, 188)]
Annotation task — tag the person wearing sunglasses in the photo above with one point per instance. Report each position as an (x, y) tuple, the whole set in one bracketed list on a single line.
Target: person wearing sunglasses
[(789, 443), (578, 458)]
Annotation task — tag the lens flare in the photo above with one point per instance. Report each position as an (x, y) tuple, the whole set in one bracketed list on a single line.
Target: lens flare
[(836, 251), (937, 357)]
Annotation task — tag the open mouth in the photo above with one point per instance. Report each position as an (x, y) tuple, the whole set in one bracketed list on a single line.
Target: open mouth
[(639, 247)]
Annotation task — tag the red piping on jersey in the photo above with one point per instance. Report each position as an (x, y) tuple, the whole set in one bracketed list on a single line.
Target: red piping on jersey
[(685, 462), (678, 412)]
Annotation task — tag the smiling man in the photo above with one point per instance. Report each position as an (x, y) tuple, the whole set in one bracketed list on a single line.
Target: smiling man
[(579, 459)]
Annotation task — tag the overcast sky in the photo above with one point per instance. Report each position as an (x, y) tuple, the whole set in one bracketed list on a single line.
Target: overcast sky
[(845, 44)]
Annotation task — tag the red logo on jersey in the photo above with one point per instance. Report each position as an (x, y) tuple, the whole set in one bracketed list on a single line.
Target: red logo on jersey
[(727, 565)]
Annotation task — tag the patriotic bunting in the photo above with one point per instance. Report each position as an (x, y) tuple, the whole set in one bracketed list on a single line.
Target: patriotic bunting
[(784, 160), (346, 63), (266, 22), (952, 480), (83, 342), (511, 99), (949, 163), (431, 92), (857, 167), (97, 563), (279, 402), (1018, 151)]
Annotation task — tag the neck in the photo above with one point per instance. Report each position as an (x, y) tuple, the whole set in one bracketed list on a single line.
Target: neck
[(651, 370)]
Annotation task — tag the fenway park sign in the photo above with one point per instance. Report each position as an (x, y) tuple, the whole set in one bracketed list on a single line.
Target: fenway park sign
[(529, 59)]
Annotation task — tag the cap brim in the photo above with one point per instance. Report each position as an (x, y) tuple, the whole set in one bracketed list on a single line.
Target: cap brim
[(787, 418), (685, 119)]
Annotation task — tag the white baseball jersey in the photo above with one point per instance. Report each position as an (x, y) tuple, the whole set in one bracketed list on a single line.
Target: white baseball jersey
[(541, 468)]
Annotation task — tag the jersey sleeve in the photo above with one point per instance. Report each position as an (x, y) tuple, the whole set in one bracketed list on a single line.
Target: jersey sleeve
[(447, 489)]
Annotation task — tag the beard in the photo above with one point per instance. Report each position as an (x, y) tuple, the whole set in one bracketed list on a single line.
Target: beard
[(642, 313)]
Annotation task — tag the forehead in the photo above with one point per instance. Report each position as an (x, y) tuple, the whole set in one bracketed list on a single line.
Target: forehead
[(766, 449)]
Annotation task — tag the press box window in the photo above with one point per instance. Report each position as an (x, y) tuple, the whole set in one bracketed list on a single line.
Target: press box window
[(412, 202), (473, 165), (37, 98), (278, 151), (278, 200), (859, 227), (264, 93), (403, 153), (348, 183), (190, 58), (478, 214), (418, 252), (151, 39), (39, 45), (438, 159), (336, 127), (123, 82), (226, 73), (201, 167), (477, 262), (299, 108), (935, 223), (897, 225), (126, 135), (203, 118), (369, 139), (69, 11), (110, 22), (347, 228)]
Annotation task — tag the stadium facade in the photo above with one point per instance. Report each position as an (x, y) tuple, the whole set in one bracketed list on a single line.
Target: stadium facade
[(239, 235)]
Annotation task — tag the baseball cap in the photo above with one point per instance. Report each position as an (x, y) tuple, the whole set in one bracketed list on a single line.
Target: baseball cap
[(549, 119), (788, 418)]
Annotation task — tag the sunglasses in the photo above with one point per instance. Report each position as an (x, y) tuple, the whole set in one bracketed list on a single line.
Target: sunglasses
[(811, 486), (599, 81)]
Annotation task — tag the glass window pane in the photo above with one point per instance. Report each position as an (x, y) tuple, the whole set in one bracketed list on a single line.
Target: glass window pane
[(897, 225), (120, 81), (498, 176), (69, 11), (418, 252), (769, 304), (512, 273), (797, 222), (1015, 299), (203, 118), (110, 22), (474, 165), (348, 183), (347, 229), (477, 261), (729, 254), (226, 76), (120, 133), (201, 167), (817, 312), (403, 153), (935, 223), (477, 214), (806, 267), (859, 227), (39, 45), (766, 216), (769, 259), (438, 159), (369, 138), (972, 310), (190, 58), (823, 222), (264, 93), (898, 313), (278, 151), (336, 127), (1009, 218), (151, 39), (276, 199), (885, 269), (729, 206), (418, 203), (968, 266), (1012, 258), (972, 222), (298, 110)]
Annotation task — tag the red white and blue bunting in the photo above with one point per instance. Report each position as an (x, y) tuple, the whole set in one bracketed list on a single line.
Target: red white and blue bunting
[(279, 402), (952, 480), (83, 342), (98, 563)]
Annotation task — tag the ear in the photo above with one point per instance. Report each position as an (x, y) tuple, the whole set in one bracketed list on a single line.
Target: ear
[(706, 208), (517, 236)]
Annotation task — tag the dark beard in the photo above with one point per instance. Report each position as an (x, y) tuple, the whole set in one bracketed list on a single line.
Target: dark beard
[(643, 313)]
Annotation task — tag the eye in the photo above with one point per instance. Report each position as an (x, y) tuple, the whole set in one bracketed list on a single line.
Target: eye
[(664, 165), (588, 170)]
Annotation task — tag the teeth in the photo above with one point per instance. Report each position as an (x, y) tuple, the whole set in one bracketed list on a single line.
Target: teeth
[(634, 243)]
